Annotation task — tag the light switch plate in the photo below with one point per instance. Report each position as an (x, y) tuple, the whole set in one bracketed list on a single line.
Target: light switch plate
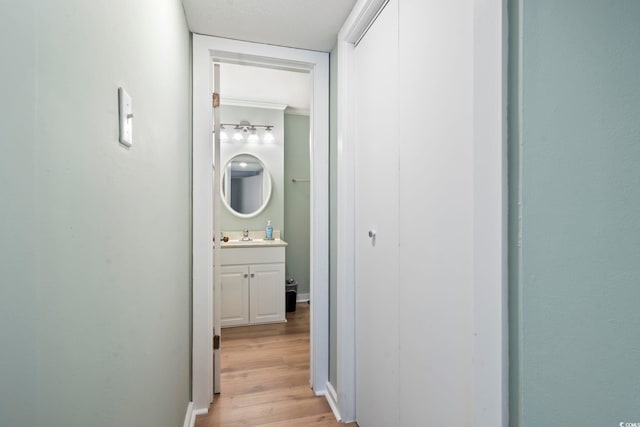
[(126, 117)]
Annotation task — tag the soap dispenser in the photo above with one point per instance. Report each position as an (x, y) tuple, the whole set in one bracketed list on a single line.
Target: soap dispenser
[(269, 231)]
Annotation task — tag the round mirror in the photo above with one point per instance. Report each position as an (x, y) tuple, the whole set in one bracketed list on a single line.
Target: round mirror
[(246, 185)]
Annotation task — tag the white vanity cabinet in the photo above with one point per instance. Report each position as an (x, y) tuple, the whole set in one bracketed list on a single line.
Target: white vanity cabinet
[(252, 285)]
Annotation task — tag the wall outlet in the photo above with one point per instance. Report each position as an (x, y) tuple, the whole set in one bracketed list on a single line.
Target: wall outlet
[(126, 117)]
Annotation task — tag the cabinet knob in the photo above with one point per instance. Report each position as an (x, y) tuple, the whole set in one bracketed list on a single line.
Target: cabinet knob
[(246, 275), (253, 275)]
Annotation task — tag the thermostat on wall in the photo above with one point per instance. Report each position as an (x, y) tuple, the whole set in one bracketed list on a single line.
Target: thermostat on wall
[(126, 117)]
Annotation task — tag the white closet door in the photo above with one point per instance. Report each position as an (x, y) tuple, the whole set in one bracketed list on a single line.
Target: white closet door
[(376, 203)]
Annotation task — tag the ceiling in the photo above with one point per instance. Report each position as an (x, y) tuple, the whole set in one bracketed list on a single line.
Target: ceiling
[(305, 24), (265, 85)]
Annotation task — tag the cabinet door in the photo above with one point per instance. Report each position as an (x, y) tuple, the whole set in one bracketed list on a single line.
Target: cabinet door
[(266, 293), (234, 284)]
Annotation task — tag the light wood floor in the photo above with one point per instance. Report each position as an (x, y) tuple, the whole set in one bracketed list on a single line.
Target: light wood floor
[(265, 378)]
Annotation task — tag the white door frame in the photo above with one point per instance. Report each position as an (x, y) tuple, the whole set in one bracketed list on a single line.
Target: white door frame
[(205, 48), (490, 303)]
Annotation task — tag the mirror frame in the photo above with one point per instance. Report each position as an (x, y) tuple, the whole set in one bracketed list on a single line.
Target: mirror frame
[(267, 196)]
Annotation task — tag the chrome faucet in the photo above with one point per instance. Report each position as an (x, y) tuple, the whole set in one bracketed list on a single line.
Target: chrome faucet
[(245, 235)]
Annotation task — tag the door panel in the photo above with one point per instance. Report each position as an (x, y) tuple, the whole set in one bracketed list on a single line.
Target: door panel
[(267, 293), (234, 283), (217, 250), (376, 204)]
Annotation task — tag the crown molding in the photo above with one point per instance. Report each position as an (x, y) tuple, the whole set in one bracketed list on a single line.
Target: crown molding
[(252, 104), (297, 111)]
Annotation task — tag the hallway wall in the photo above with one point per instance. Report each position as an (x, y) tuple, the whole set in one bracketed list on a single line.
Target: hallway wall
[(575, 200), (95, 253)]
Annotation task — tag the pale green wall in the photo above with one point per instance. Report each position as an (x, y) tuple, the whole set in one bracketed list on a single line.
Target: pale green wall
[(575, 209), (297, 199), (18, 244), (333, 218), (95, 250)]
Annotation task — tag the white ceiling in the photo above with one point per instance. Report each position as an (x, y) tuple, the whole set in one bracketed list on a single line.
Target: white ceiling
[(305, 24), (265, 85)]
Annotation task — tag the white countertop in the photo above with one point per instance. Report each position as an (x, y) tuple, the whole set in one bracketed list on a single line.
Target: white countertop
[(256, 237), (253, 243)]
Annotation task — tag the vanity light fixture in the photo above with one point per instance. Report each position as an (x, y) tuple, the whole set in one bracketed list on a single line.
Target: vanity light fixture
[(245, 131)]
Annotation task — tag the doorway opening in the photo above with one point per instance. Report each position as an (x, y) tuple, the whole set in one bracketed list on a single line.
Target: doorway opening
[(265, 195), (207, 51)]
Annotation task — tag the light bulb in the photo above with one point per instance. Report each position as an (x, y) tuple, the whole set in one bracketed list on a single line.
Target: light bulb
[(253, 137), (223, 134), (268, 135), (237, 134)]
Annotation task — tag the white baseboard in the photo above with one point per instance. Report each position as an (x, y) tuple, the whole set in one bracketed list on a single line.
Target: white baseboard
[(332, 398), (303, 297), (190, 416), (203, 411)]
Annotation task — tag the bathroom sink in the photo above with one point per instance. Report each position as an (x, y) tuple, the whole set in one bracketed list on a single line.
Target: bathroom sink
[(239, 241), (253, 243)]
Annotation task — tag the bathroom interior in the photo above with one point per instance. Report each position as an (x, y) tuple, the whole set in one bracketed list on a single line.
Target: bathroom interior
[(265, 197)]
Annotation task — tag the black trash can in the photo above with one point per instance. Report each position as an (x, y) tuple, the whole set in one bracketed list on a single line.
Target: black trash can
[(291, 295)]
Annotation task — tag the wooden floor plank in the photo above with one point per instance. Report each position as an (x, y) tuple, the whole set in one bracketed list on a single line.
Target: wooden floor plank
[(265, 378)]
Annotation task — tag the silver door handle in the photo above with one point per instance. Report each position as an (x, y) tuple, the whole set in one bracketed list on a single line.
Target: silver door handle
[(372, 234)]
